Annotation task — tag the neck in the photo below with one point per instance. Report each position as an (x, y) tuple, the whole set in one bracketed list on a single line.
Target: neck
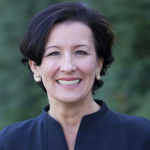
[(69, 115)]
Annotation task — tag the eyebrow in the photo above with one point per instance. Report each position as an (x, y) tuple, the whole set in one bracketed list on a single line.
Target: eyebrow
[(76, 46), (52, 47)]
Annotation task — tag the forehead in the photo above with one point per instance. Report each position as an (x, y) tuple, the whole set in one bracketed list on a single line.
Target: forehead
[(70, 32)]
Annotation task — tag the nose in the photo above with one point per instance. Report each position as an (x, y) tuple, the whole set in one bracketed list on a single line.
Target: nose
[(67, 65)]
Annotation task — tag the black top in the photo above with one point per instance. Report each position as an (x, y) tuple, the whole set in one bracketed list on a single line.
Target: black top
[(102, 130)]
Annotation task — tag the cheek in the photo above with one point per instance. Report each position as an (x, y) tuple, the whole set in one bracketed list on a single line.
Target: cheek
[(48, 69), (89, 66)]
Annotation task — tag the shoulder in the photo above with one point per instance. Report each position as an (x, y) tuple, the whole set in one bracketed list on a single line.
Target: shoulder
[(26, 126), (125, 127), (130, 127), (130, 121), (19, 126), (17, 132), (125, 121)]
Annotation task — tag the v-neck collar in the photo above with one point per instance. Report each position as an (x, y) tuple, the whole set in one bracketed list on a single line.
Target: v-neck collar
[(87, 133)]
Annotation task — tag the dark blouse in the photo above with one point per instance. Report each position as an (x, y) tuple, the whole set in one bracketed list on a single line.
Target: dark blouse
[(102, 130)]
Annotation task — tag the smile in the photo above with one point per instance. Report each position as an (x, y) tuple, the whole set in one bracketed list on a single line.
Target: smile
[(72, 82)]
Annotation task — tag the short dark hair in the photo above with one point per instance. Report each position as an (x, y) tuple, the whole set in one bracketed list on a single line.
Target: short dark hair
[(33, 43)]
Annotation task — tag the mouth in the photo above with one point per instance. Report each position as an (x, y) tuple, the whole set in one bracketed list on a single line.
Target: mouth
[(69, 83)]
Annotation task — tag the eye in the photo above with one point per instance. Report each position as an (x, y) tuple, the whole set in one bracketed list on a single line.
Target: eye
[(54, 54), (81, 52)]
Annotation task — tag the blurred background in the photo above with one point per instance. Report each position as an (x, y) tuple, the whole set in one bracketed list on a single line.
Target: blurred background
[(126, 86)]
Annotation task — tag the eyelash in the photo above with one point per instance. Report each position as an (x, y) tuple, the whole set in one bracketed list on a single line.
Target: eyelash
[(81, 52), (54, 54), (77, 52)]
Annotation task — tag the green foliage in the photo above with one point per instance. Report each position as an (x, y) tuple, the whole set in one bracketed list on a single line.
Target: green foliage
[(130, 86), (127, 85)]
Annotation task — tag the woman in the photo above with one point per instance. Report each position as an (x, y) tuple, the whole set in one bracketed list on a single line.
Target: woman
[(67, 47)]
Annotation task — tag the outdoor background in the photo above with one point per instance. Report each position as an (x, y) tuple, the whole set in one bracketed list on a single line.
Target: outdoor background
[(127, 84)]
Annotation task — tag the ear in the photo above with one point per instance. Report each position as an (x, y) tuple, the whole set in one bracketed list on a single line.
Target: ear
[(34, 67), (99, 64)]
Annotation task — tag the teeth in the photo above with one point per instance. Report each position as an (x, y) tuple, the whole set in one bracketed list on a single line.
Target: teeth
[(73, 82)]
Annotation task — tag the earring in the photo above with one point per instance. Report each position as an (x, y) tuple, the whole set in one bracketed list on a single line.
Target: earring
[(98, 77), (37, 78)]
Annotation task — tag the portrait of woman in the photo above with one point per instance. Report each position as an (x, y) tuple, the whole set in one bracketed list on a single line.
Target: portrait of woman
[(67, 48)]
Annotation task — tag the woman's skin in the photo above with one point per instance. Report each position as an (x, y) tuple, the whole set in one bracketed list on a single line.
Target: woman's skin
[(68, 71)]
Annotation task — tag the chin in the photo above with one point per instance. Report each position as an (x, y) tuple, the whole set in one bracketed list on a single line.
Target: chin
[(70, 99)]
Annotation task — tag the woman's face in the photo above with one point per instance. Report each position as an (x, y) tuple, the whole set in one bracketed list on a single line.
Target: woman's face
[(69, 63)]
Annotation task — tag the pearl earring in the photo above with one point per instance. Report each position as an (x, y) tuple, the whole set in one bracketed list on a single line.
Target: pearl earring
[(98, 77), (37, 78)]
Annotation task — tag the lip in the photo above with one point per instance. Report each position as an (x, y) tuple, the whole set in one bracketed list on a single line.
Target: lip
[(70, 86), (69, 79)]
